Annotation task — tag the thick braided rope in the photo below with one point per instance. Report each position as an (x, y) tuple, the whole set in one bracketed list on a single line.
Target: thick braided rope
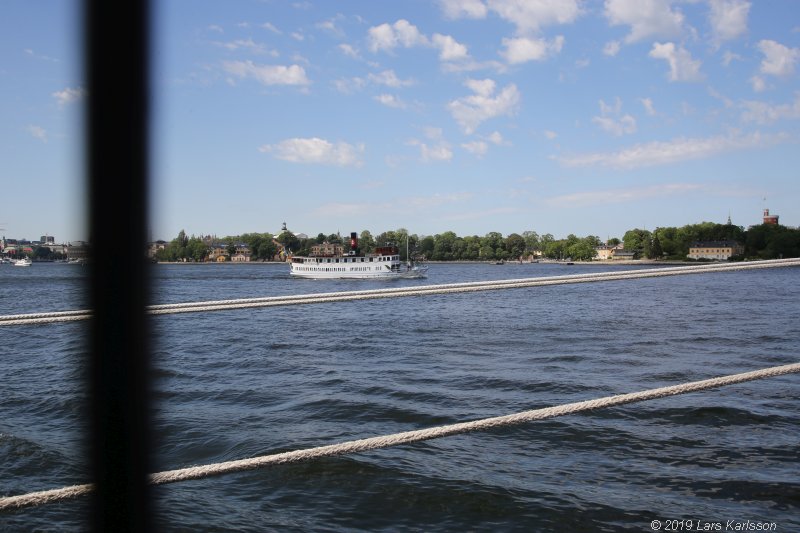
[(385, 441), (273, 301)]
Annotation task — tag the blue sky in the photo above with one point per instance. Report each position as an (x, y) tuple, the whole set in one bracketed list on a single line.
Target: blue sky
[(557, 116)]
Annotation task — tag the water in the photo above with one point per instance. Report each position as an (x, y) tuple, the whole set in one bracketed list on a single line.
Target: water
[(237, 384)]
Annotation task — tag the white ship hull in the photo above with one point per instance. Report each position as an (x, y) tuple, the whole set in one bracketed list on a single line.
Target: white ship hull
[(352, 268), (333, 264)]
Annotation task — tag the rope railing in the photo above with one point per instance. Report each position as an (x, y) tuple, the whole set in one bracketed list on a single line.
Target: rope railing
[(34, 499), (421, 290)]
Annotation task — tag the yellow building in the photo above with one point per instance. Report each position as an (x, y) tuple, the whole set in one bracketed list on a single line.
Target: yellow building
[(327, 249), (715, 250), (606, 252)]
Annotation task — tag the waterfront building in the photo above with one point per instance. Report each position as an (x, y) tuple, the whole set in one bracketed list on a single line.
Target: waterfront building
[(715, 250), (78, 250), (607, 252), (242, 253), (624, 255), (770, 219), (327, 249)]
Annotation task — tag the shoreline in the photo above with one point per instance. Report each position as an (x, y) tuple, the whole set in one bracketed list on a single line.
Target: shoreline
[(649, 262)]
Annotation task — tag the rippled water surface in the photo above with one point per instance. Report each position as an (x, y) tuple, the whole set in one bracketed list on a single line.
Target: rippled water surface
[(241, 383)]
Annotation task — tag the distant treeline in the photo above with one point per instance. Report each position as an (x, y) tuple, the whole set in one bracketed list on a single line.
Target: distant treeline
[(766, 241)]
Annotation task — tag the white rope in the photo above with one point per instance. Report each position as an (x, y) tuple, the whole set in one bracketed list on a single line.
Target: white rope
[(385, 441), (273, 301)]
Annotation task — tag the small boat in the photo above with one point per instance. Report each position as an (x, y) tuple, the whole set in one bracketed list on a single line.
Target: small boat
[(24, 262), (332, 263)]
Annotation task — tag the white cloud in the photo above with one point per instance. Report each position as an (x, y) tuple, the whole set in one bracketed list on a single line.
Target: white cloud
[(764, 113), (449, 48), (68, 95), (471, 111), (349, 50), (647, 103), (249, 45), (496, 138), (390, 36), (438, 151), (627, 195), (386, 77), (728, 57), (37, 132), (681, 65), (478, 148), (524, 49), (611, 121), (669, 152), (390, 79), (550, 134), (349, 86), (758, 84), (271, 27), (530, 16), (268, 74), (612, 48), (315, 151), (331, 27), (31, 53), (482, 87), (779, 60), (481, 147), (453, 9), (728, 18), (402, 33), (390, 100), (646, 18)]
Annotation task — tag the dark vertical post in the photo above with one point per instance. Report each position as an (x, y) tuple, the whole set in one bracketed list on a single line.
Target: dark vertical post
[(117, 75)]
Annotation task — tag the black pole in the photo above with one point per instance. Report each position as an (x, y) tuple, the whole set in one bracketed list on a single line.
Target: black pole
[(116, 53)]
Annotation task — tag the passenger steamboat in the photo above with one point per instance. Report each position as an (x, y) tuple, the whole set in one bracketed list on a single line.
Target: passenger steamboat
[(328, 261)]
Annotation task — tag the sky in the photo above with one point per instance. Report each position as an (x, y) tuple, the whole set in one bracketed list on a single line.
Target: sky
[(583, 117)]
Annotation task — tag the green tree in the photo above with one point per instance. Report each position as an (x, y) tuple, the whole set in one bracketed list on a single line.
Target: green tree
[(443, 246), (581, 250), (637, 240), (472, 248), (515, 245), (366, 242), (554, 249), (426, 245), (532, 243), (196, 249), (289, 241)]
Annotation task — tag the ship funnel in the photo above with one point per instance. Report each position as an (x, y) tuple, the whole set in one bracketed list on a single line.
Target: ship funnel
[(354, 241)]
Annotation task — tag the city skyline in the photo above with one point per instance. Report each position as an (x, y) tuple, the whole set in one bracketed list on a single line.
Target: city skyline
[(567, 117)]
